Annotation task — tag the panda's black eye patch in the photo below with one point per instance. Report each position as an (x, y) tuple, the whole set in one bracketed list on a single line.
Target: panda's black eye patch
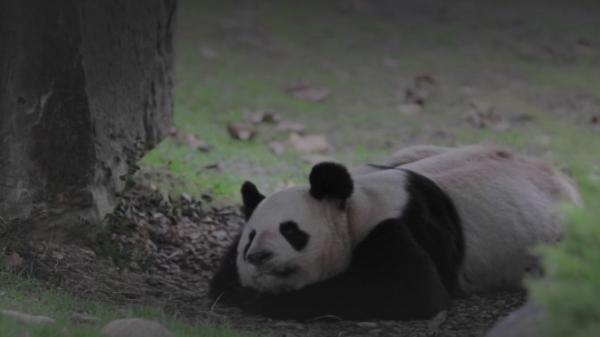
[(294, 235), (250, 239)]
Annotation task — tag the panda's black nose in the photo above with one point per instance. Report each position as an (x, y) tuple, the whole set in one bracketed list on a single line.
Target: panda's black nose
[(259, 258)]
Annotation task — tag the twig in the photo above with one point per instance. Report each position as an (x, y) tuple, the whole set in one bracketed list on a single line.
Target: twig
[(212, 306)]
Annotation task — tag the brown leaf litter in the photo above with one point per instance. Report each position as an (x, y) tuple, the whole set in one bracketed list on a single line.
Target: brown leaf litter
[(163, 252), (481, 114), (241, 131), (307, 92)]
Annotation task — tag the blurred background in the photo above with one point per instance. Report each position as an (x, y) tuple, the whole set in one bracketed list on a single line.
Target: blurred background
[(265, 88)]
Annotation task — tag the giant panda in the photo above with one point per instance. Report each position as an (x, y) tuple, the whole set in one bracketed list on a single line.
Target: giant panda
[(396, 240)]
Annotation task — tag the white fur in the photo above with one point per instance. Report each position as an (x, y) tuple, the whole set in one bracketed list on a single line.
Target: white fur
[(507, 204)]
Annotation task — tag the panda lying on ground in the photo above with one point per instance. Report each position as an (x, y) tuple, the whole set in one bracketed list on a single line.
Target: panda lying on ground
[(393, 241)]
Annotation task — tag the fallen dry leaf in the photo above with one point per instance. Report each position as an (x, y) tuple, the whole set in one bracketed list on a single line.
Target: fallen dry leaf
[(309, 143), (291, 127), (14, 260), (481, 114), (305, 91), (264, 117), (416, 96), (241, 131), (595, 120), (213, 166), (198, 143), (277, 147), (410, 109), (420, 91)]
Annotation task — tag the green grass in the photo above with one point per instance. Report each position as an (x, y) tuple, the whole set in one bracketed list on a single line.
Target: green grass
[(506, 64), (33, 297), (571, 292)]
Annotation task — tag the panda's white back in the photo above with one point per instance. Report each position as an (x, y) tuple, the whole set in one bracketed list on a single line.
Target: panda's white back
[(506, 203)]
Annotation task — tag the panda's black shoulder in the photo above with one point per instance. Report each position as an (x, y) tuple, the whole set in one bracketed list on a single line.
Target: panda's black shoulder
[(433, 221)]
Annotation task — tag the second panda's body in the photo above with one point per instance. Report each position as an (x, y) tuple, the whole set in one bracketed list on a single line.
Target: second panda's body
[(393, 241)]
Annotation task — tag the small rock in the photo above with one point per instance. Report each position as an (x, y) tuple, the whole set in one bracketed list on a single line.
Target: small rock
[(26, 318), (135, 327)]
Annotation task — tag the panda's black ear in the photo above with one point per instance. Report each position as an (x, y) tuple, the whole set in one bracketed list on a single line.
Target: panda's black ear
[(330, 180), (251, 197)]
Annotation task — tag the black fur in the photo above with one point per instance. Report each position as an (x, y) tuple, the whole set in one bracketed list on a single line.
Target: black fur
[(297, 238), (250, 239), (251, 197), (432, 219), (330, 180), (390, 277)]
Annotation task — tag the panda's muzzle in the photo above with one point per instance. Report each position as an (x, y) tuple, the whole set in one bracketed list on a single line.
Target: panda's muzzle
[(259, 258)]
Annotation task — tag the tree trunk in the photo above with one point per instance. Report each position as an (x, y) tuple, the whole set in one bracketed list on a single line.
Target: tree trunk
[(85, 90)]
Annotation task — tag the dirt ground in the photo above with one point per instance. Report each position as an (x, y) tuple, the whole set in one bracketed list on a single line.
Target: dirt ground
[(162, 253)]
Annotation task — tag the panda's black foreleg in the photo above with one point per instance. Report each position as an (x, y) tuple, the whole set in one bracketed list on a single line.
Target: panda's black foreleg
[(401, 278), (391, 277)]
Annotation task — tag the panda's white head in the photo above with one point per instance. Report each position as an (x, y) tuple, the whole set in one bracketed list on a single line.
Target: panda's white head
[(296, 236)]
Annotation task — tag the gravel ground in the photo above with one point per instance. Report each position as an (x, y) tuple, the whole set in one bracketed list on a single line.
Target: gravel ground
[(162, 253)]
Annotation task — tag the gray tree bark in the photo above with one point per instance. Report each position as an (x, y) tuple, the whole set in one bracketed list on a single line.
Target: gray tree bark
[(85, 90)]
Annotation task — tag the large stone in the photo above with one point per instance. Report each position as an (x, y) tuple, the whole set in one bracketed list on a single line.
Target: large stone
[(135, 327), (85, 90), (527, 321)]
